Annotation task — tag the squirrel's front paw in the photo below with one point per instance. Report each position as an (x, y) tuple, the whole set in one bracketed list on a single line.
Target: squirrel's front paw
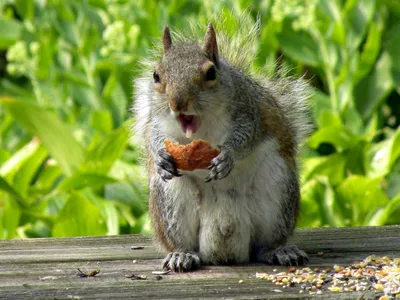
[(166, 167), (181, 262), (220, 166)]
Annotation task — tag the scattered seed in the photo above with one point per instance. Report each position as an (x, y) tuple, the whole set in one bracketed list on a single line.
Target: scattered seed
[(377, 273), (137, 247), (48, 278), (241, 281), (334, 289), (134, 261), (165, 272), (336, 268), (89, 273), (136, 277)]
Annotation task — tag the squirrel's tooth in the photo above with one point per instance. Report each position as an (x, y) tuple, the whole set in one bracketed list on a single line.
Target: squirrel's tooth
[(189, 132)]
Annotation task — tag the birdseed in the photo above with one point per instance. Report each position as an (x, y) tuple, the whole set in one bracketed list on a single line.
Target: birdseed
[(379, 274)]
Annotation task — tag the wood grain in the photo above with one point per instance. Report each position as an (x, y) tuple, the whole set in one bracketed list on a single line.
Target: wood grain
[(47, 268)]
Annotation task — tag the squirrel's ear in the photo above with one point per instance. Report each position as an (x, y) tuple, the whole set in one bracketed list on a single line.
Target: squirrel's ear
[(167, 41), (210, 47)]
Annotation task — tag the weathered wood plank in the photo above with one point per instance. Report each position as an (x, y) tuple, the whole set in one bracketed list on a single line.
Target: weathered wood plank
[(47, 268)]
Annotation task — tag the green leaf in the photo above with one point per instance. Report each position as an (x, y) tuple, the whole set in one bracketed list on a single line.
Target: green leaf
[(361, 197), (10, 32), (358, 15), (25, 175), (7, 87), (112, 217), (5, 186), (10, 214), (392, 50), (142, 225), (353, 120), (15, 162), (84, 96), (102, 156), (392, 211), (115, 98), (83, 180), (355, 158), (45, 58), (377, 159), (388, 214), (373, 89), (322, 111), (344, 87), (370, 50), (299, 46), (107, 209), (340, 137), (331, 166), (74, 77), (54, 135), (381, 157), (79, 217), (393, 179), (127, 193), (25, 8), (101, 120), (395, 151), (317, 204), (49, 177), (98, 3)]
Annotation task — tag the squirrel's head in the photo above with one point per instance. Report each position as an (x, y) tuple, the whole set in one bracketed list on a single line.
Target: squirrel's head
[(188, 78)]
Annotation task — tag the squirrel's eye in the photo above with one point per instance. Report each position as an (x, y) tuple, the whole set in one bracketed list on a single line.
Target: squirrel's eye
[(156, 77), (211, 74)]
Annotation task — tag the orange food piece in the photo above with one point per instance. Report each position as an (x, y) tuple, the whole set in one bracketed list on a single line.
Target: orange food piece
[(196, 155)]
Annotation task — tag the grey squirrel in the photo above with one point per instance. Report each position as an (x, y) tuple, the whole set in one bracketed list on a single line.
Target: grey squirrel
[(245, 206)]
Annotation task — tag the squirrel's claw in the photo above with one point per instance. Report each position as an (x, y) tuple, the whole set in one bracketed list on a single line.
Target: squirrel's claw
[(220, 166), (181, 262), (287, 255), (165, 165)]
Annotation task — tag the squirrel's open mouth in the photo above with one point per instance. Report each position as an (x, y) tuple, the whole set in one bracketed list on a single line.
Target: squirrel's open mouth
[(189, 123)]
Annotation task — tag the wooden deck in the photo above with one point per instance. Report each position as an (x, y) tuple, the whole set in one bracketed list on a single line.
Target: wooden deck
[(47, 268)]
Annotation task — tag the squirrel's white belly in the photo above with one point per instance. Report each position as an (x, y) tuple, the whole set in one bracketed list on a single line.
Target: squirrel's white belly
[(231, 213)]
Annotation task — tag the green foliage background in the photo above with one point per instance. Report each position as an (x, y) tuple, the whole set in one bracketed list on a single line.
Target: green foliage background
[(68, 165)]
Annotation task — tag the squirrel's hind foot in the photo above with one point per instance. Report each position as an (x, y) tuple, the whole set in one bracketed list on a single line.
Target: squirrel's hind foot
[(181, 262), (288, 255)]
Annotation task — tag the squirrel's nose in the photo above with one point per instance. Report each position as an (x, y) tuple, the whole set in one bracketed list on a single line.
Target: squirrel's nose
[(178, 105)]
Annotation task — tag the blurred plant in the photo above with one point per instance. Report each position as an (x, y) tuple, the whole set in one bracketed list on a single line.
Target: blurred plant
[(347, 46), (68, 165)]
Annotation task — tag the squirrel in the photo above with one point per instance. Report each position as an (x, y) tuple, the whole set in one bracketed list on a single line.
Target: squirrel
[(245, 206)]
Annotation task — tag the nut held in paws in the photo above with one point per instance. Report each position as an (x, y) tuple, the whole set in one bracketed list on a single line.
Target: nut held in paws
[(196, 155)]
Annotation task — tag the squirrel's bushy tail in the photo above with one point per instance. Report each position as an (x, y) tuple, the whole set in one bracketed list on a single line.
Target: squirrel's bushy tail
[(293, 95), (238, 44)]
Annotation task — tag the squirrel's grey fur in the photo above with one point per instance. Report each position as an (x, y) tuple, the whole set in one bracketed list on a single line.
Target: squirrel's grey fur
[(244, 207)]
